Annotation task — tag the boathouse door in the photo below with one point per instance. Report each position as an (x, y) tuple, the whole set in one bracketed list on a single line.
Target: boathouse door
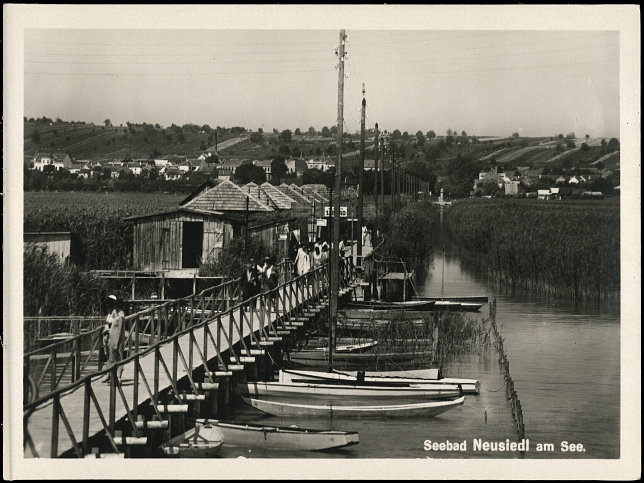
[(192, 245)]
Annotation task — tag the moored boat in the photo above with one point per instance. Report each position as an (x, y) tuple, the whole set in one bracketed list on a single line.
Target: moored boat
[(384, 305), (428, 408), (282, 438), (451, 305), (329, 393), (202, 441), (321, 359), (393, 379), (458, 298)]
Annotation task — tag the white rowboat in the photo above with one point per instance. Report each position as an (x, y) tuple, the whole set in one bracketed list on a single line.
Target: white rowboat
[(199, 442), (329, 393), (393, 378), (282, 438), (430, 408)]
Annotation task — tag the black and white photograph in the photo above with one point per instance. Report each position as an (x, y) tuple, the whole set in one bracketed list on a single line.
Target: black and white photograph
[(322, 241)]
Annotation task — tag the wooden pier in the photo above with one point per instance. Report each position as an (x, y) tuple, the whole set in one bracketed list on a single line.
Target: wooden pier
[(181, 357)]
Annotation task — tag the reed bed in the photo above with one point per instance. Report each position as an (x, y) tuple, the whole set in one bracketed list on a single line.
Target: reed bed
[(51, 288), (566, 248), (106, 239)]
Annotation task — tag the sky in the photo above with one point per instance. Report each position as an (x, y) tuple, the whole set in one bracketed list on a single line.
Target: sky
[(484, 82)]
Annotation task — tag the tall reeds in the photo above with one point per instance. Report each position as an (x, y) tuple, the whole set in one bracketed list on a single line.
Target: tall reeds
[(564, 248)]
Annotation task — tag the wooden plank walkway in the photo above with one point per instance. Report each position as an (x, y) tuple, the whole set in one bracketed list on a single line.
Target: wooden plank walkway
[(42, 424)]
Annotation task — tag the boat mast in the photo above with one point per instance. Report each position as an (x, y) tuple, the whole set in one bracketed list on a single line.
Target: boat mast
[(443, 275), (335, 248)]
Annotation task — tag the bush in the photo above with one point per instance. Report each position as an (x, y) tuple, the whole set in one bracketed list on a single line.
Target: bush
[(230, 260)]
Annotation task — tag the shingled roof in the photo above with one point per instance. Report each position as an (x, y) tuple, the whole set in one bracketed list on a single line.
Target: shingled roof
[(312, 194), (282, 200), (296, 195), (227, 196), (320, 189)]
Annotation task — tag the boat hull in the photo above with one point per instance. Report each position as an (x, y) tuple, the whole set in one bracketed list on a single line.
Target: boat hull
[(432, 408), (393, 378), (462, 306), (320, 358), (420, 305), (463, 298), (283, 438), (329, 393), (202, 441)]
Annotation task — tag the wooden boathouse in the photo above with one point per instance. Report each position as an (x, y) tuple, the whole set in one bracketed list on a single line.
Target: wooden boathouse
[(205, 222), (180, 238)]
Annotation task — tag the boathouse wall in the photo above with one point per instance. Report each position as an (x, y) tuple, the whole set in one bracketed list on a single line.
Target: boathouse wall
[(159, 240)]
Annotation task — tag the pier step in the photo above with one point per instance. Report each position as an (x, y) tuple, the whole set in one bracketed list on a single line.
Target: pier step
[(283, 332), (131, 440), (173, 408), (221, 373), (207, 386), (152, 424), (192, 397), (236, 367), (242, 359)]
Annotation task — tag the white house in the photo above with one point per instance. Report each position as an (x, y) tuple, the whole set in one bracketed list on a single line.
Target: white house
[(57, 160)]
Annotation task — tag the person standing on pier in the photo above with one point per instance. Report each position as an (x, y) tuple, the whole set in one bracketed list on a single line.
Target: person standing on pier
[(249, 281), (116, 334), (301, 262)]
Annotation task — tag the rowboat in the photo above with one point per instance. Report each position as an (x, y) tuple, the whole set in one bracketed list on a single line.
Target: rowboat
[(428, 408), (282, 438), (320, 358), (458, 298), (451, 305), (384, 305), (350, 348), (202, 441), (394, 379), (329, 393)]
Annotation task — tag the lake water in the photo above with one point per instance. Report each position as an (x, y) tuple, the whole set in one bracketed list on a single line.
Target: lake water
[(565, 362)]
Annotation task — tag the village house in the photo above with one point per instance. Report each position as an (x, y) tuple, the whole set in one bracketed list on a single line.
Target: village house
[(52, 160), (226, 169), (296, 167), (265, 164), (172, 173), (321, 164)]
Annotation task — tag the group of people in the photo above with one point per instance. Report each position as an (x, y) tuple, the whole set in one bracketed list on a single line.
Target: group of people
[(313, 255), (258, 278)]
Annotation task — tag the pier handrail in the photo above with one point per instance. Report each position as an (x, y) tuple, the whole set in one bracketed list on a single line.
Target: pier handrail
[(244, 329)]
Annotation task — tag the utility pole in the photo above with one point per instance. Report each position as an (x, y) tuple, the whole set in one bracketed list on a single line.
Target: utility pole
[(335, 248), (246, 229), (375, 172), (393, 175), (382, 174), (361, 180)]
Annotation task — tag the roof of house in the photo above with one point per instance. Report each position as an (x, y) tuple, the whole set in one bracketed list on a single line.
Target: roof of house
[(319, 188), (296, 195), (281, 199), (227, 196), (183, 209), (312, 194), (200, 189), (262, 162)]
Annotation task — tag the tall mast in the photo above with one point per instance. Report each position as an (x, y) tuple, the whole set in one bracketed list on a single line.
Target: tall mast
[(335, 252), (361, 179)]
